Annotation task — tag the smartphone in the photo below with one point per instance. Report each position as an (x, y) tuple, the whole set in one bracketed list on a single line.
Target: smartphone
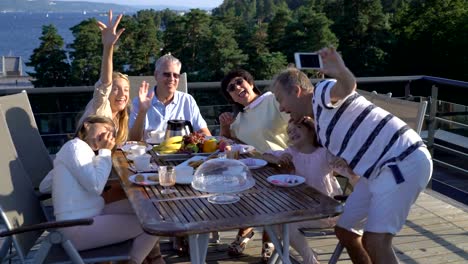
[(308, 60)]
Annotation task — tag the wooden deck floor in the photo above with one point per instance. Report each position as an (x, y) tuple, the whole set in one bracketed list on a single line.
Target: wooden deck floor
[(436, 232)]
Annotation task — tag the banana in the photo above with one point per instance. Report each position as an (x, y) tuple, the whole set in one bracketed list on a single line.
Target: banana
[(168, 151), (171, 147), (172, 140)]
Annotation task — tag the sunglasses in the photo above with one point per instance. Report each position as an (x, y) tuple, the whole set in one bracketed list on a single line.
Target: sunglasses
[(232, 86), (171, 74)]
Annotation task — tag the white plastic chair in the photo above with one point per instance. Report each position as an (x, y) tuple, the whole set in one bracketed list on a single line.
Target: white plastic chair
[(26, 137)]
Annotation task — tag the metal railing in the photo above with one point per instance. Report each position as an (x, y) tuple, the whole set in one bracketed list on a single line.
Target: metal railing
[(57, 108)]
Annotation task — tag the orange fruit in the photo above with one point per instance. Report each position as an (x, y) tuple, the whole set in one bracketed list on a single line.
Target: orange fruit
[(210, 145)]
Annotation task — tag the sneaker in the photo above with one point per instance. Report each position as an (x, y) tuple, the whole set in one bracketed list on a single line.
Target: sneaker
[(267, 251), (237, 247)]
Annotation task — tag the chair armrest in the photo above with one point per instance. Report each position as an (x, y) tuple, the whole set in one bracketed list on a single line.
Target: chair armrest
[(47, 225)]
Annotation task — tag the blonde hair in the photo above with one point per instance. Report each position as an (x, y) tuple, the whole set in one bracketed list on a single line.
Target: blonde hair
[(82, 131), (121, 119)]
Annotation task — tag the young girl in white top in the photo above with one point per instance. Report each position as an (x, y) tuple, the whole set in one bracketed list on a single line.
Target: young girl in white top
[(79, 179), (305, 157)]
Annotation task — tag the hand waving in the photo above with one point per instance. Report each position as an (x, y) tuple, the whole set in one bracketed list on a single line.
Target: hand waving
[(333, 64), (109, 33), (144, 97)]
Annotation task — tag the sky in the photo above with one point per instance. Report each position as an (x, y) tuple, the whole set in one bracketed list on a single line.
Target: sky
[(188, 3)]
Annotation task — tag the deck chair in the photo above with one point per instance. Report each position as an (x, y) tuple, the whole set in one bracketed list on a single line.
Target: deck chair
[(182, 87), (25, 222), (26, 138), (410, 112)]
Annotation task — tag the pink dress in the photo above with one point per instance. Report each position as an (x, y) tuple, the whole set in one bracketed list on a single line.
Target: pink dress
[(315, 169)]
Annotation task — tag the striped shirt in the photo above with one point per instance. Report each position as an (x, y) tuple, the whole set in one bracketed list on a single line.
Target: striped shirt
[(366, 136)]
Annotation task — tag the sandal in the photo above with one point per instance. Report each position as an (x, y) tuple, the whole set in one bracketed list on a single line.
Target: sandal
[(267, 251), (238, 246)]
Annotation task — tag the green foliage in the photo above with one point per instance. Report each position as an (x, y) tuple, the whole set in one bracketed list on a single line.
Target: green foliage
[(309, 32), (432, 38), (87, 53), (49, 60), (220, 54), (375, 37), (362, 29)]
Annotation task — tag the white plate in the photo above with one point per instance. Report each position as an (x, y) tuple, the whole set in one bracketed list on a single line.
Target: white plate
[(194, 158), (154, 141), (244, 148), (146, 182), (152, 168), (185, 179), (127, 145), (131, 156), (286, 180), (254, 163)]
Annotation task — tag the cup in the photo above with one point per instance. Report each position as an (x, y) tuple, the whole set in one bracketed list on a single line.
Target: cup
[(184, 171), (156, 136), (138, 150), (232, 152), (142, 162), (167, 178)]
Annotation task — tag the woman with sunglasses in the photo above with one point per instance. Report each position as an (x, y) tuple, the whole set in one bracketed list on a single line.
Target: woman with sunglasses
[(256, 120)]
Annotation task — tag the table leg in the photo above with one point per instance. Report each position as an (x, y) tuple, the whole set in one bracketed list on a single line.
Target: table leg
[(198, 244), (281, 245)]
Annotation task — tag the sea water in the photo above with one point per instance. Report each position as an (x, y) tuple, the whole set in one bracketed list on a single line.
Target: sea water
[(20, 32)]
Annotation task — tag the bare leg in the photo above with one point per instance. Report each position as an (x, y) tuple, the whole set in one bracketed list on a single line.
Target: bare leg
[(379, 247), (353, 244)]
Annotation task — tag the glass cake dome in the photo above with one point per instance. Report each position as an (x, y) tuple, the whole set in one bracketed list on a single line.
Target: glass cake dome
[(222, 176)]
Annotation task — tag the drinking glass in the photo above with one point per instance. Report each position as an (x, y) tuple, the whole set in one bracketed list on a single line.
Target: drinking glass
[(167, 177)]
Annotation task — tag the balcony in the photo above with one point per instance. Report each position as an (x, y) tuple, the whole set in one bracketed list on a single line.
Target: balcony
[(437, 226)]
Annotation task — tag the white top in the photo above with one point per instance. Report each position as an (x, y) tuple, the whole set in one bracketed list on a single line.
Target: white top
[(79, 179), (262, 125), (366, 136), (182, 107), (99, 104)]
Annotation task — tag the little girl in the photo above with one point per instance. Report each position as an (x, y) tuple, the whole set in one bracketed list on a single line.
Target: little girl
[(306, 158), (81, 169)]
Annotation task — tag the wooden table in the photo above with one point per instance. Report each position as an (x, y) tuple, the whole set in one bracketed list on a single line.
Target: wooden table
[(187, 212)]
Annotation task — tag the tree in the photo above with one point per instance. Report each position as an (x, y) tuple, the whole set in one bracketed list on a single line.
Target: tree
[(268, 65), (145, 43), (220, 54), (363, 31), (277, 27), (431, 38), (49, 60), (87, 53), (309, 31)]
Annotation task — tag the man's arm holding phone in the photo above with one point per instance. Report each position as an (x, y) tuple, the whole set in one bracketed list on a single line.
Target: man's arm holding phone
[(334, 66)]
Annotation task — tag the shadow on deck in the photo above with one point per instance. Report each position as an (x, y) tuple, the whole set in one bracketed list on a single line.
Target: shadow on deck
[(436, 232)]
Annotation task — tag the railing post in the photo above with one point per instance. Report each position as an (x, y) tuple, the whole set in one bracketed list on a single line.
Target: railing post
[(432, 119), (432, 123)]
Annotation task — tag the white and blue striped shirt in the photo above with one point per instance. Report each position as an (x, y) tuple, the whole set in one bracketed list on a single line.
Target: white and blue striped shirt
[(366, 136)]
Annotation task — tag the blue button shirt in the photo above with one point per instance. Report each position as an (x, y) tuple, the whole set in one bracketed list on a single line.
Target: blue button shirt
[(182, 107)]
